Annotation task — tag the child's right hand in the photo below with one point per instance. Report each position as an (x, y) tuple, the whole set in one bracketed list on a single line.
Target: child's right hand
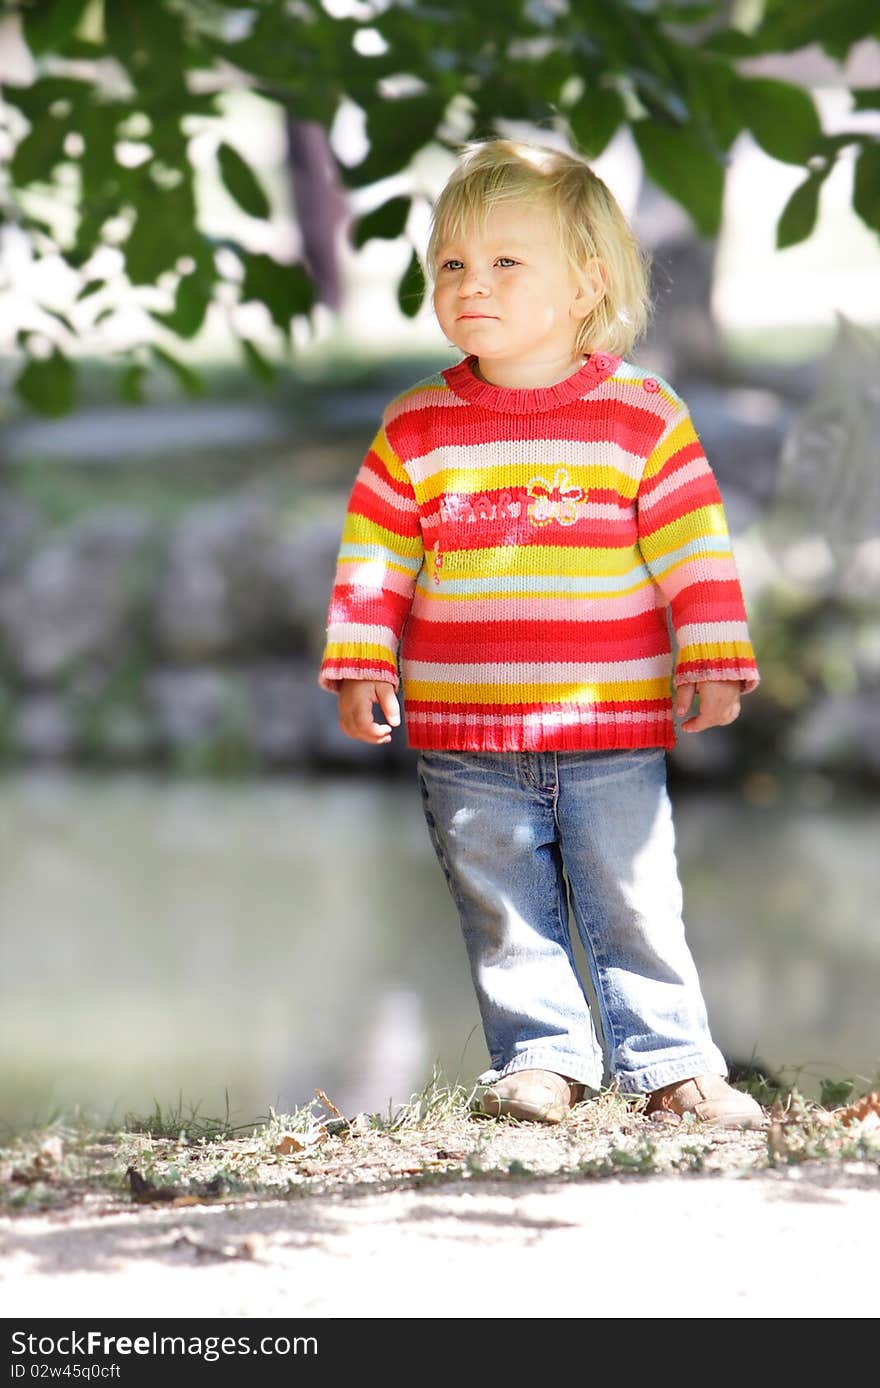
[(356, 700)]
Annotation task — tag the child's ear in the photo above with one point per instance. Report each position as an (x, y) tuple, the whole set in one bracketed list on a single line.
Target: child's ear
[(591, 293)]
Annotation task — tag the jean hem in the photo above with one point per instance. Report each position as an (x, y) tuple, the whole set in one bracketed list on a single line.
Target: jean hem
[(649, 1078), (561, 1063)]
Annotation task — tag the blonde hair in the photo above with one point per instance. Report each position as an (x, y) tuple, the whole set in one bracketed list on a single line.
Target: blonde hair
[(588, 218)]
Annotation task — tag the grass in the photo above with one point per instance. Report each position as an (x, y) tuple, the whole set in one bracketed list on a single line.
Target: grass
[(178, 1156)]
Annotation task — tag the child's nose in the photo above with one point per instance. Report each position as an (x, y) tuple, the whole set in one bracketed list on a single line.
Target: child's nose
[(471, 282)]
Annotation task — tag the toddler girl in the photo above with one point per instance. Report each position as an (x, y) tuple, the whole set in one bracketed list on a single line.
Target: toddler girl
[(521, 527)]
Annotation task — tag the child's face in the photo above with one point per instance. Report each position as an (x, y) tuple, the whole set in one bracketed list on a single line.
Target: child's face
[(517, 279)]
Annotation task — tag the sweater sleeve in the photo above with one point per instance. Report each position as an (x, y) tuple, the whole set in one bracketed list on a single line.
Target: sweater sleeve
[(684, 539), (378, 562)]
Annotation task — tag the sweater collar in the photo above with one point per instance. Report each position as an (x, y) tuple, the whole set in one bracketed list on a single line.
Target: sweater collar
[(512, 400)]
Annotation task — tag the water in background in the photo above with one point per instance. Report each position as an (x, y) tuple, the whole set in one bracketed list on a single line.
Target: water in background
[(167, 940)]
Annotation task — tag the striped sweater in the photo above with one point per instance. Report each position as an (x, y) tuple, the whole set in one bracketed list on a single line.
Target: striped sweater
[(521, 551)]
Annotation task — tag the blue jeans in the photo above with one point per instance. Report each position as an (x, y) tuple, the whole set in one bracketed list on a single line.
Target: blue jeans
[(517, 834)]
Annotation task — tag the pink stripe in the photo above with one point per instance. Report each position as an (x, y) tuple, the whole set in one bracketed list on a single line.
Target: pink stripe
[(372, 575), (698, 571), (538, 609)]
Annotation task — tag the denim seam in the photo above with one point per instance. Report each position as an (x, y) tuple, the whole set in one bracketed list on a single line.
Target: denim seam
[(652, 1077), (598, 959), (549, 1059), (438, 845)]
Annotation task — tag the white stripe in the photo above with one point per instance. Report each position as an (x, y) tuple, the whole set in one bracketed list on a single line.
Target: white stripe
[(373, 483), (351, 632), (700, 633), (501, 672), (534, 456), (433, 394)]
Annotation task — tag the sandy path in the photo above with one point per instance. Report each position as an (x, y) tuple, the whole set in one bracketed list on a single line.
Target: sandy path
[(791, 1243)]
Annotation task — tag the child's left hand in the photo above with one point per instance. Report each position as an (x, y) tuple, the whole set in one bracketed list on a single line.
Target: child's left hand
[(719, 704)]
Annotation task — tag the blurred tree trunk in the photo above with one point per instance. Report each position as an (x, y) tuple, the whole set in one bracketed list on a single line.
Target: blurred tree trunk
[(320, 203)]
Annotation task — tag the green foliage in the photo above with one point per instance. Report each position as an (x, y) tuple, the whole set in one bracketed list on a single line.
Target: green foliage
[(836, 1093), (781, 117), (47, 383), (241, 183), (800, 212), (667, 70), (387, 221), (676, 160)]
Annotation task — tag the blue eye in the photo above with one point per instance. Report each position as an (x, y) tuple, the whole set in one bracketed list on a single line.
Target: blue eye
[(508, 258)]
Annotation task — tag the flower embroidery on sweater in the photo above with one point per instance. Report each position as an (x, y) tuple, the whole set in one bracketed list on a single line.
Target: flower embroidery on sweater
[(554, 501)]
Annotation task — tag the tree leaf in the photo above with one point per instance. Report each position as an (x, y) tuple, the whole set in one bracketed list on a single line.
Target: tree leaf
[(131, 384), (713, 91), (47, 384), (191, 302), (866, 186), (286, 290), (149, 42), (259, 365), (679, 163), (39, 151), (48, 24), (34, 101), (782, 118), (387, 221), (190, 380), (59, 317), (241, 183), (798, 218), (865, 98), (163, 231), (835, 24), (595, 119), (397, 130), (92, 287), (411, 289)]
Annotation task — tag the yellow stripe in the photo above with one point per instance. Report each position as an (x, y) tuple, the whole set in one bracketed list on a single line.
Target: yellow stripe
[(683, 434), (712, 650), (504, 693), (393, 466), (437, 594), (700, 524), (359, 650), (360, 530), (638, 389), (509, 476), (512, 561)]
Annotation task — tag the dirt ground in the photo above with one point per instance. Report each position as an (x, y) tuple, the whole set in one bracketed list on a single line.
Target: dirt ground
[(605, 1214)]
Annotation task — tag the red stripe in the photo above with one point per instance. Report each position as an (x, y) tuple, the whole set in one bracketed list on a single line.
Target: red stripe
[(331, 667), (420, 430), (690, 496), (351, 604), (723, 604), (374, 464), (647, 706), (365, 502), (713, 662), (627, 639)]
